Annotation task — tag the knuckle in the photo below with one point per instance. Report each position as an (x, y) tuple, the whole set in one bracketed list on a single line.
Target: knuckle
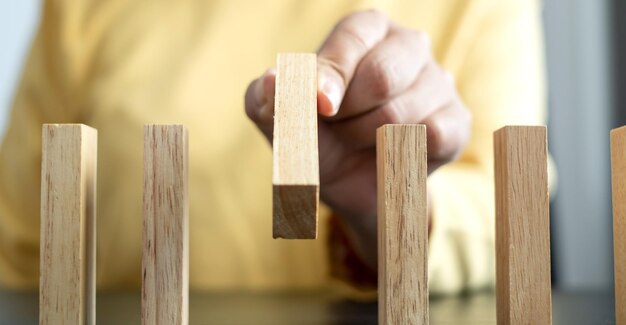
[(375, 14), (448, 136), (448, 77), (421, 42), (434, 137), (335, 64), (354, 25), (382, 81), (390, 114), (431, 72), (351, 34), (367, 15), (422, 39), (437, 138)]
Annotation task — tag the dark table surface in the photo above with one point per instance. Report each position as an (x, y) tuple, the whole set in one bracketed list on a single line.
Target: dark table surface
[(312, 307)]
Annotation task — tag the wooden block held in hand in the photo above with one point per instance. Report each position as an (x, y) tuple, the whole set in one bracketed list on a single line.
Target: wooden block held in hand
[(402, 224), (296, 167), (618, 174), (68, 211), (165, 259), (523, 287)]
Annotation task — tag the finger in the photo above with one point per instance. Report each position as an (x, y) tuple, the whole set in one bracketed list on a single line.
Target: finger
[(447, 133), (259, 102), (351, 39), (386, 71), (431, 91)]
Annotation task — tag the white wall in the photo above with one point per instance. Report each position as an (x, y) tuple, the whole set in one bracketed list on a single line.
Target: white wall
[(18, 20)]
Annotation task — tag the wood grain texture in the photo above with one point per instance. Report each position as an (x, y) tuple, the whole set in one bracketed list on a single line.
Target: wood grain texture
[(165, 259), (402, 224), (523, 286), (618, 174), (296, 166), (68, 203)]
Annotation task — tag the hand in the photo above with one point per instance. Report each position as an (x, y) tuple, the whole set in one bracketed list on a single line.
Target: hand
[(371, 72)]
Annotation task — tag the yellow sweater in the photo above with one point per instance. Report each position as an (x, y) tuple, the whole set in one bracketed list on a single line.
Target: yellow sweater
[(118, 64)]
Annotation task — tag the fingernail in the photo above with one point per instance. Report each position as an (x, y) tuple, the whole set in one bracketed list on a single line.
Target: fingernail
[(333, 91)]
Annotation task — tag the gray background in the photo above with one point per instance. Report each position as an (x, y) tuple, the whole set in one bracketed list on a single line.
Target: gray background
[(580, 54)]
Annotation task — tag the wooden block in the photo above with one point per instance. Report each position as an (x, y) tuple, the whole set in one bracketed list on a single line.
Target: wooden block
[(296, 166), (618, 173), (402, 224), (68, 211), (165, 260), (522, 226)]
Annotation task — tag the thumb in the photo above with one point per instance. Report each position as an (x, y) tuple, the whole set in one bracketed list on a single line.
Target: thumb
[(331, 88)]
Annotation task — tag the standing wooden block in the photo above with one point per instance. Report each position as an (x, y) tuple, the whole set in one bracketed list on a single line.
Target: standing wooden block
[(402, 224), (522, 226), (165, 285), (296, 166), (68, 211), (618, 171)]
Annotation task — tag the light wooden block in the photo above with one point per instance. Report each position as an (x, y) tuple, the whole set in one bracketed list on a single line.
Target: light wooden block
[(165, 260), (618, 174), (522, 226), (402, 224), (68, 211), (296, 166)]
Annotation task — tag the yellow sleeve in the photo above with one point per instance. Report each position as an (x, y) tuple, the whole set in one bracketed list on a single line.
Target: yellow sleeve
[(500, 77), (45, 95)]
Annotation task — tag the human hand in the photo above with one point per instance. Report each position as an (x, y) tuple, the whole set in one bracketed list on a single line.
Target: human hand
[(371, 72)]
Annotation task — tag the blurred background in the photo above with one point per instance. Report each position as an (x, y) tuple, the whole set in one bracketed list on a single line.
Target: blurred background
[(583, 45)]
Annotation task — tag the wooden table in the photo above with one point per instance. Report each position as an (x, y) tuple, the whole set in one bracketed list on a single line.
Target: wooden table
[(312, 307)]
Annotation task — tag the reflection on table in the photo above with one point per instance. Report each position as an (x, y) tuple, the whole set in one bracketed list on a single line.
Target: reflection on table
[(311, 307)]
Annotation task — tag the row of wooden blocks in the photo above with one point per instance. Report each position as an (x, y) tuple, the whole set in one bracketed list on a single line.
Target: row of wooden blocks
[(523, 287), (67, 287)]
